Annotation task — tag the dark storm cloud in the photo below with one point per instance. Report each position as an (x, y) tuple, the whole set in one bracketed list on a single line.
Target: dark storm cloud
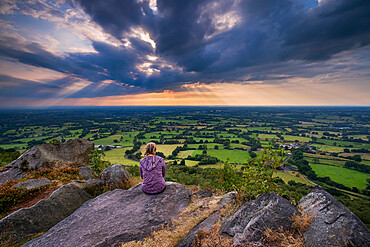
[(10, 86), (208, 41), (269, 31), (109, 63), (113, 15)]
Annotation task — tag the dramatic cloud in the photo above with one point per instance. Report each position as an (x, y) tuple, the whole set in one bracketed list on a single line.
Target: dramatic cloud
[(114, 48)]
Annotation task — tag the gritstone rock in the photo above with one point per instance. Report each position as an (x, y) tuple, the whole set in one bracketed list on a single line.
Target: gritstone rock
[(249, 221), (116, 216), (27, 222), (32, 184), (114, 175), (334, 224)]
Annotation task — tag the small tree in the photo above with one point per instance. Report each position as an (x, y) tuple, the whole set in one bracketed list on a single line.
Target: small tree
[(357, 158), (228, 178), (256, 177), (97, 162)]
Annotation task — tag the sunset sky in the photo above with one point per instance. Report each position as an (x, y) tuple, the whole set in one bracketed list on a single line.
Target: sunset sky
[(184, 52)]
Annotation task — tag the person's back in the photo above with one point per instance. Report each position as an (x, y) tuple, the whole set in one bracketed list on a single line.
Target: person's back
[(152, 170)]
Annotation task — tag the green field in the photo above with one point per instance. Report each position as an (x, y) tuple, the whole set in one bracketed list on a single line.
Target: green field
[(267, 136), (328, 148), (218, 166), (7, 146), (340, 175), (186, 153), (190, 162), (209, 145), (109, 140), (234, 156), (117, 155), (166, 149), (332, 162), (288, 176), (293, 138), (364, 156)]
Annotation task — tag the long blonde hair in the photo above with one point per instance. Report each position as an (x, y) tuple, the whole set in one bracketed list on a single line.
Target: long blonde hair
[(150, 148)]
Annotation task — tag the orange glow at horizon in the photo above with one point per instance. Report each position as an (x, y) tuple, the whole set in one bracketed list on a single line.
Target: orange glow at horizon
[(298, 93)]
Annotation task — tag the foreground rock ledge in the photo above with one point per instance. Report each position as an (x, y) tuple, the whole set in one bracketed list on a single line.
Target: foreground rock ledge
[(117, 216), (27, 222), (250, 220), (334, 224)]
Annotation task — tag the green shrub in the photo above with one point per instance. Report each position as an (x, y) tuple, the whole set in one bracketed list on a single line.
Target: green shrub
[(256, 177), (134, 170), (229, 178), (8, 155), (97, 162)]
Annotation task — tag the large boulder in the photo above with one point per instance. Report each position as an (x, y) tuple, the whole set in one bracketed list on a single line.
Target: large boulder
[(32, 184), (72, 153), (248, 223), (117, 216), (333, 223), (115, 176), (27, 222)]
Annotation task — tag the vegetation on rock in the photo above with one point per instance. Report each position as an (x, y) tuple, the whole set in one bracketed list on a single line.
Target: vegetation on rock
[(10, 197)]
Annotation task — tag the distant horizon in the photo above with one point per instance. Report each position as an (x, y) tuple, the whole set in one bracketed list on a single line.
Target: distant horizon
[(174, 106)]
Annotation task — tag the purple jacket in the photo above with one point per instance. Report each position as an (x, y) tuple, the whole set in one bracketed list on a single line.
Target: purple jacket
[(153, 181)]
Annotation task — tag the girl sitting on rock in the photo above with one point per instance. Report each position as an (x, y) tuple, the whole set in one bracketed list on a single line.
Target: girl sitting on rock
[(152, 170)]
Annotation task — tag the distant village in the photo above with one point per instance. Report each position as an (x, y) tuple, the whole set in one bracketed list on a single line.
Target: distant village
[(106, 147), (298, 145)]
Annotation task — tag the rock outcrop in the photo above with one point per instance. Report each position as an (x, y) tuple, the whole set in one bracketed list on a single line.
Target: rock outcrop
[(32, 184), (250, 220), (114, 176), (73, 153), (117, 216), (333, 224), (27, 222)]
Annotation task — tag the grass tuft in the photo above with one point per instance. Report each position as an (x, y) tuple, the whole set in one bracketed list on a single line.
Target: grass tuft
[(290, 237), (171, 234)]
